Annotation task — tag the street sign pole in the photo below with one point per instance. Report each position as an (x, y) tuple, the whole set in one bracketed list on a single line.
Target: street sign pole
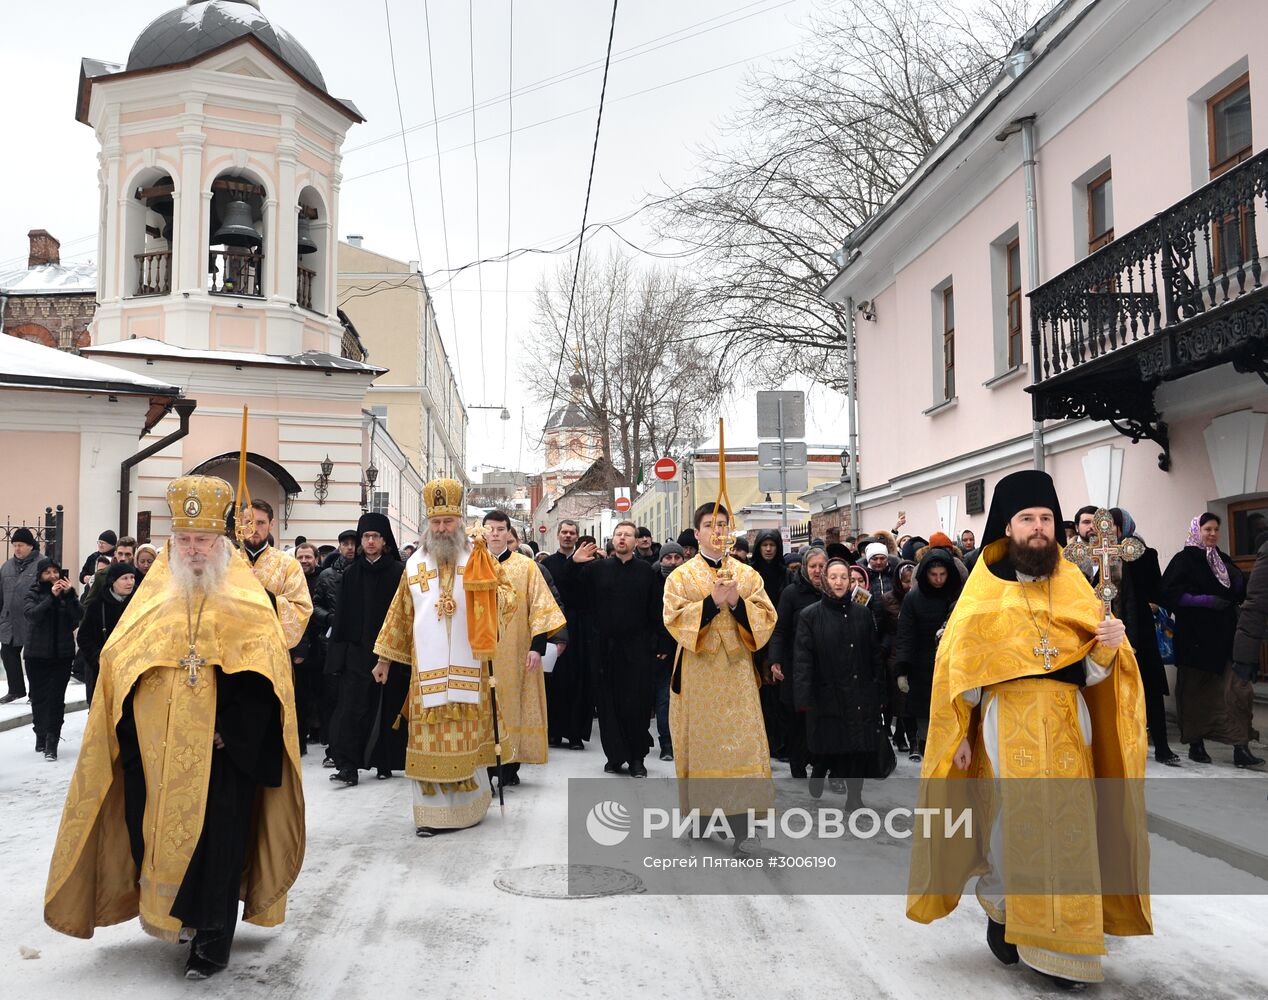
[(783, 471)]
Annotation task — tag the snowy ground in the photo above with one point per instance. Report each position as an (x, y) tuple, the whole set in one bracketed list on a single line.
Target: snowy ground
[(378, 913)]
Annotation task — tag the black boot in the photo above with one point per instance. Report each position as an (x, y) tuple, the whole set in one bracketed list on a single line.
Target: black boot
[(39, 742), (347, 775), (1001, 949), (1242, 757), (817, 775), (1198, 754), (1165, 755), (50, 745)]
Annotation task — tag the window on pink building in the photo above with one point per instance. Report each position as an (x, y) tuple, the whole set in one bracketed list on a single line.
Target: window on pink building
[(948, 343), (1228, 144), (1014, 303), (1100, 212)]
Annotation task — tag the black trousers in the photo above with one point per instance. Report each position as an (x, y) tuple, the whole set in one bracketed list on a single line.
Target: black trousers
[(48, 694), (11, 656)]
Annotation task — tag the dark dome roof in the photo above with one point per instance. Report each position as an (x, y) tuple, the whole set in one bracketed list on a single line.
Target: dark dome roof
[(568, 415), (187, 32)]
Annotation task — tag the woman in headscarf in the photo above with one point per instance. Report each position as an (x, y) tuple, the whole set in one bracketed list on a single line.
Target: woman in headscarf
[(839, 683), (1203, 587), (801, 592), (1139, 592), (768, 559)]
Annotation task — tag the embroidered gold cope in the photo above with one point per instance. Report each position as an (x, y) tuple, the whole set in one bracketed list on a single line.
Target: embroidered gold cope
[(283, 577), (93, 881), (715, 717), (522, 694)]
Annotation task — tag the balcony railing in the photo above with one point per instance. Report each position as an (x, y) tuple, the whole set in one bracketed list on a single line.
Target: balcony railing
[(236, 272), (1178, 294), (153, 272), (304, 286)]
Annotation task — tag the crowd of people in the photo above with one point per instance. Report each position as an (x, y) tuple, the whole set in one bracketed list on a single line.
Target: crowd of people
[(470, 653)]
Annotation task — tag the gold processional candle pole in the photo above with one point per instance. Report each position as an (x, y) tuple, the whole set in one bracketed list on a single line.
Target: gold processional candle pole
[(723, 540), (242, 526)]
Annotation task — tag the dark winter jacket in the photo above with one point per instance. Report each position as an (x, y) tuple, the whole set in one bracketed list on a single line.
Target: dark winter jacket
[(51, 620), (890, 606), (774, 573), (1252, 625), (309, 647), (98, 623), (924, 612), (1205, 610), (1139, 587), (326, 594), (798, 595), (839, 677), (16, 577)]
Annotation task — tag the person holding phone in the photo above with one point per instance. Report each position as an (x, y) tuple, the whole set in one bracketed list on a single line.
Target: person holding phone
[(52, 613)]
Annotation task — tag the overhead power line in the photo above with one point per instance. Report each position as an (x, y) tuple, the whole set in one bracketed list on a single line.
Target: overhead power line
[(400, 113), (475, 155)]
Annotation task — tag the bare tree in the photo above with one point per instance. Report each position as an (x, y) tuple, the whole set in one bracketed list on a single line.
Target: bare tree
[(625, 363), (822, 143)]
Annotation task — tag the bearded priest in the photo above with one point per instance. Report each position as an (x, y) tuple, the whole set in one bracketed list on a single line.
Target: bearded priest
[(443, 623), (1037, 697), (186, 797)]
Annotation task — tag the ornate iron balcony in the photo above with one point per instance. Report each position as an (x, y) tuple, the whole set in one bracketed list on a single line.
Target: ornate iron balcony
[(1177, 295)]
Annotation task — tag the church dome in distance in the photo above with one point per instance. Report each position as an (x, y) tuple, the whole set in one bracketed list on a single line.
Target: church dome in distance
[(200, 26)]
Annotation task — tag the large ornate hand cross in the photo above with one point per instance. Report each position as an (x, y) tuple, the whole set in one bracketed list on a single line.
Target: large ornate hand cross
[(1107, 552)]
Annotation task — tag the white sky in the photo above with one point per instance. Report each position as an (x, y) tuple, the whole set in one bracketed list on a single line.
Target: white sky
[(48, 175)]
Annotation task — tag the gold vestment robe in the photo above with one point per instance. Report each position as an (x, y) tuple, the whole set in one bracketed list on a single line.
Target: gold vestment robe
[(521, 694), (1051, 825), (93, 880), (715, 715), (449, 745), (283, 577)]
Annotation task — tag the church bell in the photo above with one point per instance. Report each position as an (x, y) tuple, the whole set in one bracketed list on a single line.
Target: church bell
[(238, 229), (305, 242)]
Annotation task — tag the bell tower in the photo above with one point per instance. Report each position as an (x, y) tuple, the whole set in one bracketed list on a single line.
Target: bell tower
[(219, 173)]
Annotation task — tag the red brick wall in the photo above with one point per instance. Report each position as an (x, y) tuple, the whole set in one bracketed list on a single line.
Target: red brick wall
[(53, 320)]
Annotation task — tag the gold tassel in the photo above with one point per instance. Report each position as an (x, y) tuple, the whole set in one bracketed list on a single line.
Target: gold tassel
[(397, 724)]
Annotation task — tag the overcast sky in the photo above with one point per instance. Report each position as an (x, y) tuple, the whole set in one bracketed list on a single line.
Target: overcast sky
[(676, 72)]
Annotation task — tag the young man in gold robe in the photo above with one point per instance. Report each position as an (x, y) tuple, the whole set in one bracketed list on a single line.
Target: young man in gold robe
[(187, 795), (280, 573), (717, 610), (1036, 693), (443, 624), (533, 619)]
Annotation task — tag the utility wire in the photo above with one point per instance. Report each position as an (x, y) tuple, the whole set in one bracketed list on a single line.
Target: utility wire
[(510, 140), (475, 156), (585, 211), (440, 181), (400, 114)]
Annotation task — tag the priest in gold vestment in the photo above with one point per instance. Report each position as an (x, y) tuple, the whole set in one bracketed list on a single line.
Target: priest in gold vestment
[(280, 574), (443, 624), (186, 797), (533, 619), (1036, 693), (721, 754)]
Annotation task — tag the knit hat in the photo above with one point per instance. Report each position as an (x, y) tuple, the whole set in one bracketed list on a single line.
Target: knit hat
[(117, 570), (939, 540), (876, 549), (108, 537), (671, 549), (687, 539), (24, 535)]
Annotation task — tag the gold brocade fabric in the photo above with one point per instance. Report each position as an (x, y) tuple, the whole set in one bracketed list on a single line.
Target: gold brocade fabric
[(716, 717), (989, 640), (283, 577), (447, 744), (521, 694), (93, 881)]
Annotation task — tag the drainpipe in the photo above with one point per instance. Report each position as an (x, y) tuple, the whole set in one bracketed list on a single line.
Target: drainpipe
[(184, 409), (852, 400), (1032, 257)]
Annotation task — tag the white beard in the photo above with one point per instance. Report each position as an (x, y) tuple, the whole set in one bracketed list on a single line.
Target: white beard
[(186, 583), (445, 548)]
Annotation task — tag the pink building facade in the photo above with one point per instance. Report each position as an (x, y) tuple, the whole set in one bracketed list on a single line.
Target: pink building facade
[(1131, 106)]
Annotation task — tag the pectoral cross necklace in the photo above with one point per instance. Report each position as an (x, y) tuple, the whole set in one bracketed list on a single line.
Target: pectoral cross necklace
[(191, 660), (1044, 651)]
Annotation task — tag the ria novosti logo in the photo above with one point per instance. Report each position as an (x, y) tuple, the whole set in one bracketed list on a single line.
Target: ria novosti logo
[(608, 823)]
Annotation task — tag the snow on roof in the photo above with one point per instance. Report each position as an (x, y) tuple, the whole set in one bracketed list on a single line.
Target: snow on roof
[(23, 362), (50, 279), (146, 347)]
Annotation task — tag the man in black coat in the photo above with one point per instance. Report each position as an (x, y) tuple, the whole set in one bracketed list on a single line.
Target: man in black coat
[(52, 613), (623, 619), (361, 733), (325, 600), (308, 655), (569, 700)]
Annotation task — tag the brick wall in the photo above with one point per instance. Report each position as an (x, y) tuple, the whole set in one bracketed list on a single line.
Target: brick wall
[(52, 320)]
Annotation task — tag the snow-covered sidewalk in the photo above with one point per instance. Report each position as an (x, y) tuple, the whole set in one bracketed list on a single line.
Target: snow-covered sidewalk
[(377, 912)]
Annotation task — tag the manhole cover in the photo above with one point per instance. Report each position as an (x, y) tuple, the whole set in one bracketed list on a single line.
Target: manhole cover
[(567, 881)]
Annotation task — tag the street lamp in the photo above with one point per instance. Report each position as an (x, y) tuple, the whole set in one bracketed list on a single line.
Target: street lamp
[(845, 464), (322, 485), (368, 479), (504, 413)]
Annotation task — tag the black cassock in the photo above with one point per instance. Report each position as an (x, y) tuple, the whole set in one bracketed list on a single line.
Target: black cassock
[(249, 721), (361, 733), (569, 699), (622, 619)]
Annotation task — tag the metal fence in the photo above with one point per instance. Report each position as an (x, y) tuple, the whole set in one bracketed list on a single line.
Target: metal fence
[(48, 532)]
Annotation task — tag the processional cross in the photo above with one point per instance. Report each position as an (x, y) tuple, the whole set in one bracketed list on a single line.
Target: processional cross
[(1106, 552)]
